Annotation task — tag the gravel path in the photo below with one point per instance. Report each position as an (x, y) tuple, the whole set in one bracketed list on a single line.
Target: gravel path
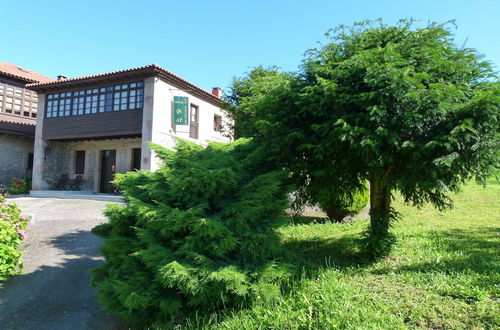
[(54, 290)]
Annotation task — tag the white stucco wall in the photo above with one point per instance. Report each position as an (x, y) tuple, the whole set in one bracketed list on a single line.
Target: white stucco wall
[(147, 124), (159, 116)]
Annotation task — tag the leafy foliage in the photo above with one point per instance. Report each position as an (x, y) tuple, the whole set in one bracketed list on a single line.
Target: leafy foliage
[(13, 228), (3, 191), (20, 186), (338, 203), (399, 106), (260, 85), (198, 234)]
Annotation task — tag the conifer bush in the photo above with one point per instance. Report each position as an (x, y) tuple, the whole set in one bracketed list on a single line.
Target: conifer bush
[(198, 234)]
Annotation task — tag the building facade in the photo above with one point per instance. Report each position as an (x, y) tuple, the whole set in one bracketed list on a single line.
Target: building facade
[(18, 111), (90, 128)]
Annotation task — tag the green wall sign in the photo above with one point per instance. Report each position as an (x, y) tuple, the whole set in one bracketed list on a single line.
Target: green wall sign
[(181, 114)]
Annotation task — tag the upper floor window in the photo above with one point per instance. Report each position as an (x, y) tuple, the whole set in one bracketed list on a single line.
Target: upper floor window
[(217, 123), (105, 99), (17, 100), (193, 122)]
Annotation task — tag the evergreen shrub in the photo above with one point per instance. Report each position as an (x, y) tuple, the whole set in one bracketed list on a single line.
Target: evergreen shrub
[(339, 203), (13, 229), (197, 234)]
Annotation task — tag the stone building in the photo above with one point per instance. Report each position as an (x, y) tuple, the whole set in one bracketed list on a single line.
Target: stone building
[(90, 128), (18, 110)]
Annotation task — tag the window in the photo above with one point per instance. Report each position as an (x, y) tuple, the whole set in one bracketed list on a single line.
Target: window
[(193, 122), (136, 159), (80, 162), (217, 123), (77, 108), (16, 99), (105, 99), (64, 107), (30, 162)]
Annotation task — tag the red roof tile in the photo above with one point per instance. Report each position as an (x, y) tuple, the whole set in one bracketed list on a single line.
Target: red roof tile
[(148, 70), (15, 71), (17, 125)]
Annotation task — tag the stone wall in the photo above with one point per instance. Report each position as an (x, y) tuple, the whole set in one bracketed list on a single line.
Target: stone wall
[(59, 159), (14, 151)]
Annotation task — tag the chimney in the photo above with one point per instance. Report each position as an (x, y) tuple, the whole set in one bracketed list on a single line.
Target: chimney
[(61, 77), (216, 91)]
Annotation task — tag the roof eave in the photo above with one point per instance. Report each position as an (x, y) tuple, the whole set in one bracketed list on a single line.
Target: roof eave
[(57, 85), (186, 86), (23, 79), (115, 77)]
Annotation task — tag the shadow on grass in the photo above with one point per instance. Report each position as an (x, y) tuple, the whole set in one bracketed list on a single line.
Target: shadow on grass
[(307, 220), (472, 250), (315, 254), (477, 252), (464, 251)]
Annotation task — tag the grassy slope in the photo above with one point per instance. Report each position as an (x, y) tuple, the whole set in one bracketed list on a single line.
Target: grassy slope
[(444, 273)]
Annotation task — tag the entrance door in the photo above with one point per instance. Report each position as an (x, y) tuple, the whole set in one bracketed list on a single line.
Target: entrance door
[(108, 169)]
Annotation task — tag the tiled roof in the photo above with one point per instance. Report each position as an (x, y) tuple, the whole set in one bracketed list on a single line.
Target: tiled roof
[(16, 125), (148, 70), (15, 71)]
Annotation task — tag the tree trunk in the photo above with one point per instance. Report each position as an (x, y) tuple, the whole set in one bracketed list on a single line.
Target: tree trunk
[(380, 205), (379, 240)]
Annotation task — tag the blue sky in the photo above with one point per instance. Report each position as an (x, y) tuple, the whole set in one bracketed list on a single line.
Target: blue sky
[(209, 42)]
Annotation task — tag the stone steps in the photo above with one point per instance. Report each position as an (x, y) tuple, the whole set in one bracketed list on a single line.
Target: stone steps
[(71, 194)]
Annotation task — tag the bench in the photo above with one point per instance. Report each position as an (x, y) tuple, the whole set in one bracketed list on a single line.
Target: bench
[(75, 184)]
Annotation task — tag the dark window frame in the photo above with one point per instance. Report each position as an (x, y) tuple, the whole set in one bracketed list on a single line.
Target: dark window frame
[(80, 162), (128, 96), (28, 99), (217, 123), (135, 162), (29, 166)]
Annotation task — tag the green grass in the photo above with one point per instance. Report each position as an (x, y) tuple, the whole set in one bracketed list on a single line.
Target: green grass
[(444, 273)]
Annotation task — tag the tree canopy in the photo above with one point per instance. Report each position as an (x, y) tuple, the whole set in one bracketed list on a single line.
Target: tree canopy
[(400, 106), (260, 85)]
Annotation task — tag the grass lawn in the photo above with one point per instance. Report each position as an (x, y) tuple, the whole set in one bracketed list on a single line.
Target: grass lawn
[(444, 273)]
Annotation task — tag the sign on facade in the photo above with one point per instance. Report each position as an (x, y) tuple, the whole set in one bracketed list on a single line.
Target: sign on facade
[(181, 114)]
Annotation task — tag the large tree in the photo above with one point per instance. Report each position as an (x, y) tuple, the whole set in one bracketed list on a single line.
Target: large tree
[(260, 85), (400, 106)]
